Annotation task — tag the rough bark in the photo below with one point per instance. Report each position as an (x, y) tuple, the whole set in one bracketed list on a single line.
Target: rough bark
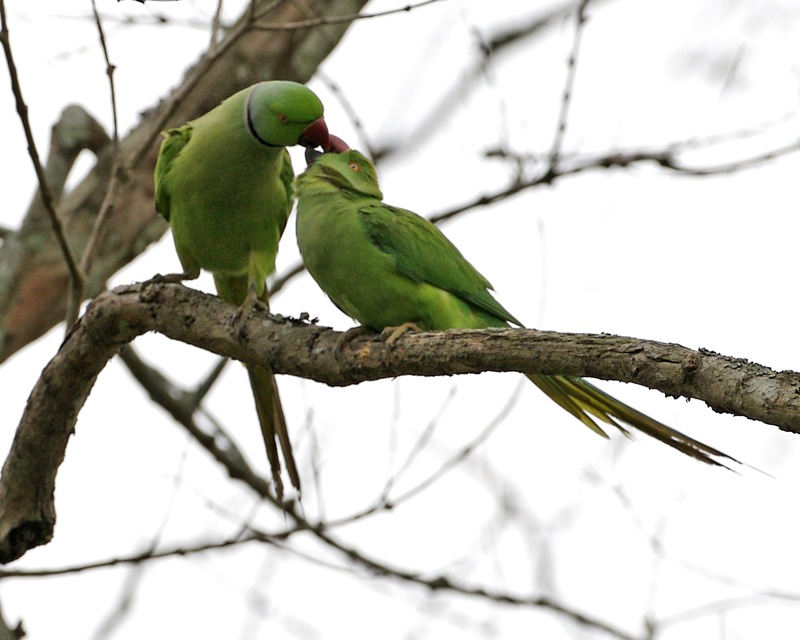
[(295, 347)]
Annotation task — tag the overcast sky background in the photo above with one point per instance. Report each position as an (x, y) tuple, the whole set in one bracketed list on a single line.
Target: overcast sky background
[(543, 506)]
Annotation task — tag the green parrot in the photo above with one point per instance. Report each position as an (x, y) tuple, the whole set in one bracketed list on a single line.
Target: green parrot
[(224, 183), (390, 268)]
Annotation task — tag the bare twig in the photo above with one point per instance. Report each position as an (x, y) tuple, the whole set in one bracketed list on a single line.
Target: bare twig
[(76, 276), (443, 583), (202, 389), (216, 23), (352, 114), (281, 281), (385, 502), (668, 158), (165, 113), (73, 301), (7, 633), (116, 616), (182, 406), (464, 452), (569, 85), (109, 71), (490, 49), (137, 558), (321, 532), (333, 20), (376, 567)]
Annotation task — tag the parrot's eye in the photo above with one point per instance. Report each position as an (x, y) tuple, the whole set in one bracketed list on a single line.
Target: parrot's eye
[(282, 118), (355, 166)]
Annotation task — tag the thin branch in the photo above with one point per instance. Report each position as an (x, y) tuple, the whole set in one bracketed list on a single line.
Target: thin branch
[(490, 49), (375, 567), (206, 61), (137, 558), (420, 445), (199, 71), (569, 85), (76, 277), (464, 452), (216, 25), (114, 618), (182, 406), (333, 20), (666, 158), (109, 71), (283, 279), (385, 502), (201, 391), (351, 113), (7, 633), (714, 608), (74, 301), (443, 583)]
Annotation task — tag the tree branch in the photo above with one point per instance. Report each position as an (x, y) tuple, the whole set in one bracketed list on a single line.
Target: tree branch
[(293, 347), (569, 85), (668, 157), (73, 300), (76, 278)]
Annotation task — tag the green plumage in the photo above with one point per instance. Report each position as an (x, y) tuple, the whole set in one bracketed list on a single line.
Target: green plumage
[(387, 267), (224, 183)]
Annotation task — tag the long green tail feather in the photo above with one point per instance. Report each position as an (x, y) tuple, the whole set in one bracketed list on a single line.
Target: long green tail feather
[(590, 404), (237, 290), (273, 425)]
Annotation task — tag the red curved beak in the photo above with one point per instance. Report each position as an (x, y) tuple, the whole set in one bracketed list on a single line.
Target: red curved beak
[(338, 145), (316, 135)]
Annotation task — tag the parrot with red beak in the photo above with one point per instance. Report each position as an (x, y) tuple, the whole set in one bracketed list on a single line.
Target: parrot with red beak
[(224, 183)]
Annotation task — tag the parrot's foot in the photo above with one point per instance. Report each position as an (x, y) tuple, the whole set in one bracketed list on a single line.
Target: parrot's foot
[(391, 334), (348, 336), (251, 303)]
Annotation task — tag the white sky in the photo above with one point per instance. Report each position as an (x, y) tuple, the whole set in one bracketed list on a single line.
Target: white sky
[(701, 262)]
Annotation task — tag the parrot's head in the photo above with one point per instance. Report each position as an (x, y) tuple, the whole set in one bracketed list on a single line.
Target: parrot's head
[(281, 114), (348, 170)]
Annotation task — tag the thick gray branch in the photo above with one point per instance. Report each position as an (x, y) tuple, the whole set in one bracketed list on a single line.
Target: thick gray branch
[(27, 513)]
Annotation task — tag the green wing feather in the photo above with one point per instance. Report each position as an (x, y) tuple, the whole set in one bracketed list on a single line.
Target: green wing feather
[(287, 177), (174, 141), (423, 253)]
